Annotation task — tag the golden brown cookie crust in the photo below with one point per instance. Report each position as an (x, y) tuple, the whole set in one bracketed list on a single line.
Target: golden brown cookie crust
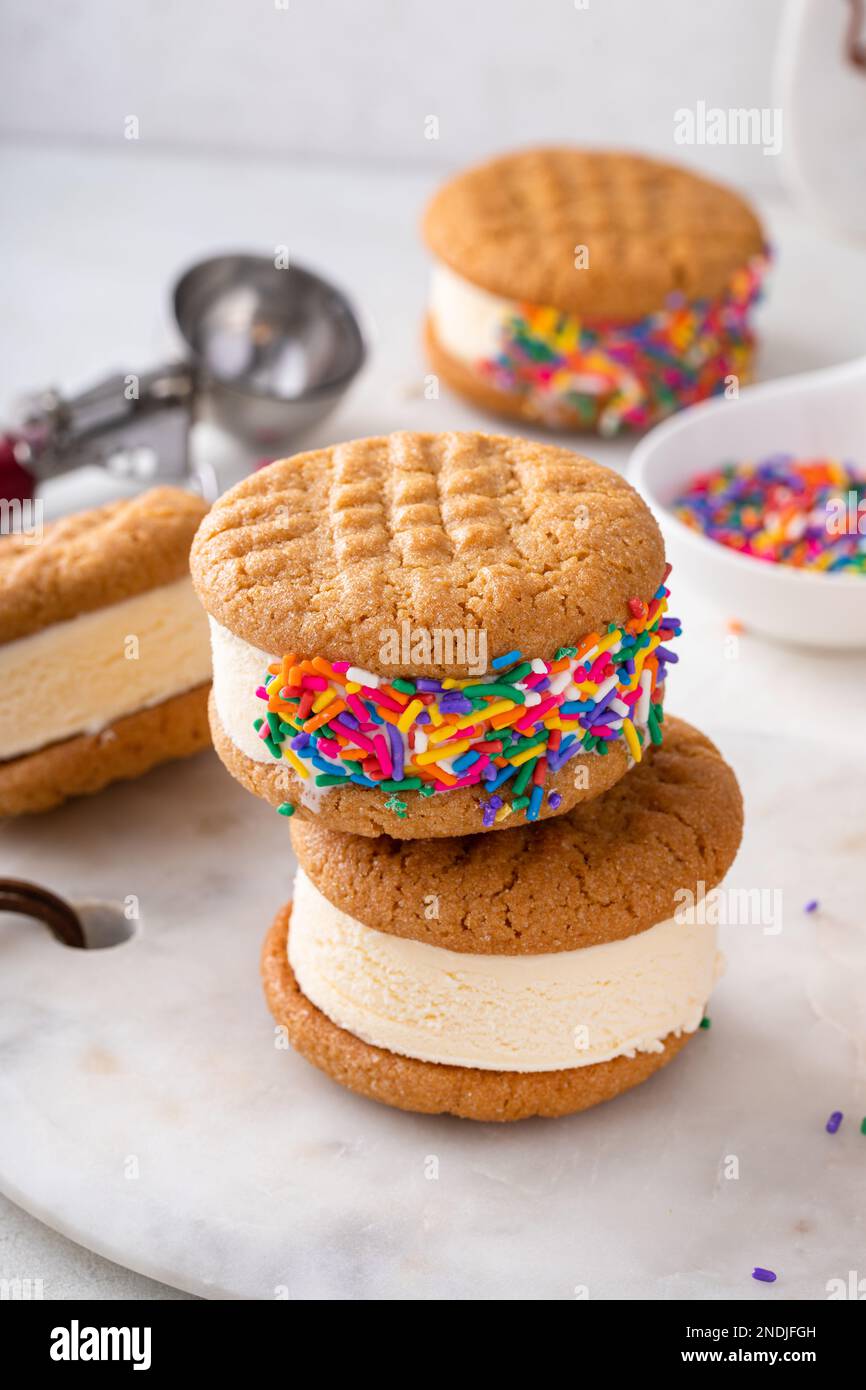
[(328, 552), (131, 746), (362, 811), (512, 226), (433, 1088), (602, 872), (95, 558), (513, 405)]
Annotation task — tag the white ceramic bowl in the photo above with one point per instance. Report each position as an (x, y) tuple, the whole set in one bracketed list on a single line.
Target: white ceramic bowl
[(818, 414)]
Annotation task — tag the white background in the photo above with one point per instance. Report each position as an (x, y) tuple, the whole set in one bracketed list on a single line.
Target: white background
[(355, 79)]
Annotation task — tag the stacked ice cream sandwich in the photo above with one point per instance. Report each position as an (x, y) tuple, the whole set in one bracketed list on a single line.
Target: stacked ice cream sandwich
[(445, 657)]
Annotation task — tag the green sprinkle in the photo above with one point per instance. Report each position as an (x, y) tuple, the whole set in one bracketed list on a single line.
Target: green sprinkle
[(589, 742), (524, 744), (274, 726), (652, 722), (287, 809), (273, 748), (863, 1125), (288, 730), (257, 724), (565, 651), (397, 806), (602, 747), (427, 790), (331, 779), (405, 784), (523, 776), (407, 687), (502, 692), (659, 711), (705, 1022), (520, 802)]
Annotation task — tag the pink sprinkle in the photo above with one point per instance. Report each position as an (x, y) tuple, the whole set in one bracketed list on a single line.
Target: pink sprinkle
[(262, 693), (380, 698), (352, 736), (602, 731), (537, 712), (329, 746), (357, 708), (383, 753), (340, 666), (314, 683)]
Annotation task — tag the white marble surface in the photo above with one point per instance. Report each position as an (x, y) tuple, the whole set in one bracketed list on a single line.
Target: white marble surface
[(255, 1171), (149, 1115)]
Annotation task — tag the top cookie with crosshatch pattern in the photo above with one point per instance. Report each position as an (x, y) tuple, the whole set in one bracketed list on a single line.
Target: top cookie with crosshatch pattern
[(331, 552), (512, 226)]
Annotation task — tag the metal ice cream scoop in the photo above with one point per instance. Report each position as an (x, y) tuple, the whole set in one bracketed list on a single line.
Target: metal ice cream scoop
[(269, 352)]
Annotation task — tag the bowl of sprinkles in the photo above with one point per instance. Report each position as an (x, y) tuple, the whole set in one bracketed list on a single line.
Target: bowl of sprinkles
[(784, 510), (774, 536)]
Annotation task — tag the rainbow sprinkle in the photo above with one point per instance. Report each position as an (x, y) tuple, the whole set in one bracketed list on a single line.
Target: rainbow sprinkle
[(628, 375), (810, 513), (504, 733)]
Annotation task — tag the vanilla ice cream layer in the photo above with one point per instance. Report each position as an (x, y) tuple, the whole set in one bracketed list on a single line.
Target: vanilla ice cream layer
[(502, 1013), (466, 319), (78, 677)]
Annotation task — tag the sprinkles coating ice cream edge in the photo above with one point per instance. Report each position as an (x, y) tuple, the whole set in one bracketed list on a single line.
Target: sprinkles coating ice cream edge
[(636, 373), (337, 725)]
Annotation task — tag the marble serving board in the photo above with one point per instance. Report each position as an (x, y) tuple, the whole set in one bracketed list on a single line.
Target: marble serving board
[(148, 1113)]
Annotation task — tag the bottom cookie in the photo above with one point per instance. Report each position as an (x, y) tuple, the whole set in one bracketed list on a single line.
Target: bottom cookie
[(131, 746), (431, 1088)]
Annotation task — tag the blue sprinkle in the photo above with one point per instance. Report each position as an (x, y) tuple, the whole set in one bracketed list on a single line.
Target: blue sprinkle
[(534, 803), (507, 660)]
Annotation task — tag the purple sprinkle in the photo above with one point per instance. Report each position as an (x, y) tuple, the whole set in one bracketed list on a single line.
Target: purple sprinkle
[(349, 720), (488, 816), (300, 741), (603, 703), (428, 686), (495, 802), (396, 743), (661, 673), (664, 655), (834, 1122), (422, 718), (576, 747), (811, 906), (764, 1276), (554, 799)]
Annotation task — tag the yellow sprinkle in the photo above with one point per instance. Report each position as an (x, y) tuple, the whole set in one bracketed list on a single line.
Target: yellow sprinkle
[(504, 810), (435, 716), (467, 721), (526, 754), (291, 757), (352, 687), (448, 750), (324, 698), (404, 723), (632, 739), (449, 683), (606, 643)]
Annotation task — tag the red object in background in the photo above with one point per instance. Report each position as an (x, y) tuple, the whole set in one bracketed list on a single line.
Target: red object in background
[(16, 484)]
